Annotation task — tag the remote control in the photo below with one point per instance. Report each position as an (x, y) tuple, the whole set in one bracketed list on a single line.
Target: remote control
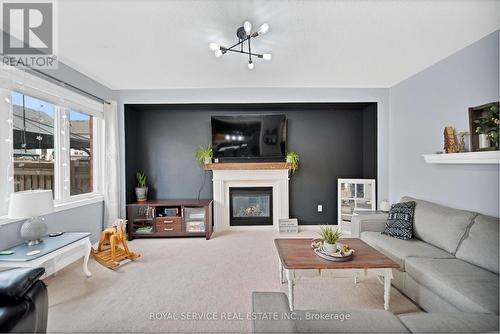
[(55, 234), (6, 252)]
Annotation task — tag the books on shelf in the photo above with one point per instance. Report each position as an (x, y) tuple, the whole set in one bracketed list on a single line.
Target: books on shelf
[(144, 230), (197, 215), (195, 226)]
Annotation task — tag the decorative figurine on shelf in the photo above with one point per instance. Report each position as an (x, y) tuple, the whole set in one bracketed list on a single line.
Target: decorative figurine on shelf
[(461, 141), (450, 145), (108, 253)]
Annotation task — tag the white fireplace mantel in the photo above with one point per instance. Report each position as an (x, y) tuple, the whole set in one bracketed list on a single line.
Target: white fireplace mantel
[(223, 179)]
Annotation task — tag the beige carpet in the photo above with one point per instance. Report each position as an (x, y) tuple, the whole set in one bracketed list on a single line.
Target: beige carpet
[(176, 276)]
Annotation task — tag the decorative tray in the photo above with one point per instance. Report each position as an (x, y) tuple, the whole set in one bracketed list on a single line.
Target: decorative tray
[(341, 255)]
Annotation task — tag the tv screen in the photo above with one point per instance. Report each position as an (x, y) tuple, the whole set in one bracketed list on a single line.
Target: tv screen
[(240, 137)]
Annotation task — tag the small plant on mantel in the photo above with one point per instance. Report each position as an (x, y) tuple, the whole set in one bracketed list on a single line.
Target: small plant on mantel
[(330, 238), (204, 155), (141, 191), (293, 159)]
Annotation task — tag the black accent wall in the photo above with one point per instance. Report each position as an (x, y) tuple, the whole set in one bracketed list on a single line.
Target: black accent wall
[(334, 140)]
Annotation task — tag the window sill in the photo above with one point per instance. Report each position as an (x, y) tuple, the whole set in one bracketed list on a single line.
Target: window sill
[(58, 207)]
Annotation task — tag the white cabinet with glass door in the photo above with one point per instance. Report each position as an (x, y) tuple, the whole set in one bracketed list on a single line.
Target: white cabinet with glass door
[(354, 195)]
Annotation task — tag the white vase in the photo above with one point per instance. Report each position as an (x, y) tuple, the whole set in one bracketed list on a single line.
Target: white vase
[(484, 142), (329, 248), (207, 160)]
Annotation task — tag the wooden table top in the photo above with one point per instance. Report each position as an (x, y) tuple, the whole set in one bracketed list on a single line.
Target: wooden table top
[(298, 254)]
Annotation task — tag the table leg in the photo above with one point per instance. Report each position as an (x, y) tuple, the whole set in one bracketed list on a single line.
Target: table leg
[(290, 275), (387, 288), (281, 274), (88, 248)]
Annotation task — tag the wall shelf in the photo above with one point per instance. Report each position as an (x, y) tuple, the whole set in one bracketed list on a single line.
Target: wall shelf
[(478, 158), (247, 165)]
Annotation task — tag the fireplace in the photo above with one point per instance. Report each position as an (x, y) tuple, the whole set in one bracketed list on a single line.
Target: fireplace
[(250, 206)]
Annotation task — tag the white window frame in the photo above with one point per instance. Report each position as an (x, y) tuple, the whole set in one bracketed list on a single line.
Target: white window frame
[(15, 80)]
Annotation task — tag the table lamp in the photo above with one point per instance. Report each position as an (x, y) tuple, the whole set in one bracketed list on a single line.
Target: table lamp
[(31, 204)]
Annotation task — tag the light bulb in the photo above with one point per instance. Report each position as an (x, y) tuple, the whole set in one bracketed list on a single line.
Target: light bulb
[(218, 53), (214, 46), (248, 27), (267, 56), (250, 65), (263, 29)]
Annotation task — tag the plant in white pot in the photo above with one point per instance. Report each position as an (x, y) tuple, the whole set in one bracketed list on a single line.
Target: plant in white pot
[(141, 191), (204, 155), (331, 238), (487, 127)]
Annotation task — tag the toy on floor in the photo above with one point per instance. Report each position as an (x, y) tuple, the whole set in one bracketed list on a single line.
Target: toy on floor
[(108, 252)]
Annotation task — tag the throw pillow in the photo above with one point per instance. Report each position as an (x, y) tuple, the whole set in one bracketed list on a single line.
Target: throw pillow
[(400, 222)]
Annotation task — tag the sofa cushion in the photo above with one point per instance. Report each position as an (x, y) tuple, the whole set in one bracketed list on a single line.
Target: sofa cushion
[(365, 321), (480, 246), (400, 221), (467, 287), (439, 225), (398, 250), (459, 322)]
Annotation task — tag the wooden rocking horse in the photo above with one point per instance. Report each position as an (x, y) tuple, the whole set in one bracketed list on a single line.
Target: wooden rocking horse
[(108, 253)]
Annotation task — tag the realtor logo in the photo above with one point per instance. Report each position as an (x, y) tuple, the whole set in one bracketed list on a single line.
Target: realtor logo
[(28, 34)]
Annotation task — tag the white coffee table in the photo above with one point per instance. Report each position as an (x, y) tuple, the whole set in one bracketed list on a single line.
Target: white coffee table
[(55, 253)]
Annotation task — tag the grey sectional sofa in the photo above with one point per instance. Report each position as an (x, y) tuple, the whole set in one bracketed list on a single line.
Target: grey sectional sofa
[(271, 314), (451, 264), (450, 269)]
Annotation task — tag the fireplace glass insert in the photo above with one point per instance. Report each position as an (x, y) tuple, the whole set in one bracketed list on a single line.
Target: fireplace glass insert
[(251, 206)]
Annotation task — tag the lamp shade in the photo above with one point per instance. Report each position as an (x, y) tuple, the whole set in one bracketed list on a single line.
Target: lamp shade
[(31, 203)]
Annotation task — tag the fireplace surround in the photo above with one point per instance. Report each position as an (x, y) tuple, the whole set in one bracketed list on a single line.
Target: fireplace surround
[(247, 175)]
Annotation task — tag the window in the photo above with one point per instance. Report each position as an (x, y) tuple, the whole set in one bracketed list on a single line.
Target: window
[(50, 138), (81, 138), (33, 143)]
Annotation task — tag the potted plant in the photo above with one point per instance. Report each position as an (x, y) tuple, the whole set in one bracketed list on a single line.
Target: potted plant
[(141, 191), (292, 158), (330, 238), (487, 127), (204, 155)]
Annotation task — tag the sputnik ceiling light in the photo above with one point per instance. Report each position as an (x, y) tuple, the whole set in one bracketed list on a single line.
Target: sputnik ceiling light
[(244, 34)]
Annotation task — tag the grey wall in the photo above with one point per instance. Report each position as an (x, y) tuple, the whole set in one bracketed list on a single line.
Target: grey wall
[(161, 141), (266, 95), (420, 108), (87, 218)]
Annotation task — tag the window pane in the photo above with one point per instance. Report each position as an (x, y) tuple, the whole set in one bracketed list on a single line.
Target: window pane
[(33, 126), (81, 152)]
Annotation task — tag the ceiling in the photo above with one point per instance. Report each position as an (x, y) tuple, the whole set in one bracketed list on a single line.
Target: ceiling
[(346, 43)]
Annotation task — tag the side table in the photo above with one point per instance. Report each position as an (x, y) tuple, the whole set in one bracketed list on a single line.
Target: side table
[(55, 253)]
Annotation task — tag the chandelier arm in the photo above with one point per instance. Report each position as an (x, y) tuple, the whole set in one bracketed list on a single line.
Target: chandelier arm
[(235, 45), (247, 53)]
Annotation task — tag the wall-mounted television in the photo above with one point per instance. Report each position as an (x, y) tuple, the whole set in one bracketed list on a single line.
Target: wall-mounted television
[(249, 137)]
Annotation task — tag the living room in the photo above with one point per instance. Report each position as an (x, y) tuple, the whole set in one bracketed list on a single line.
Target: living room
[(250, 166)]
